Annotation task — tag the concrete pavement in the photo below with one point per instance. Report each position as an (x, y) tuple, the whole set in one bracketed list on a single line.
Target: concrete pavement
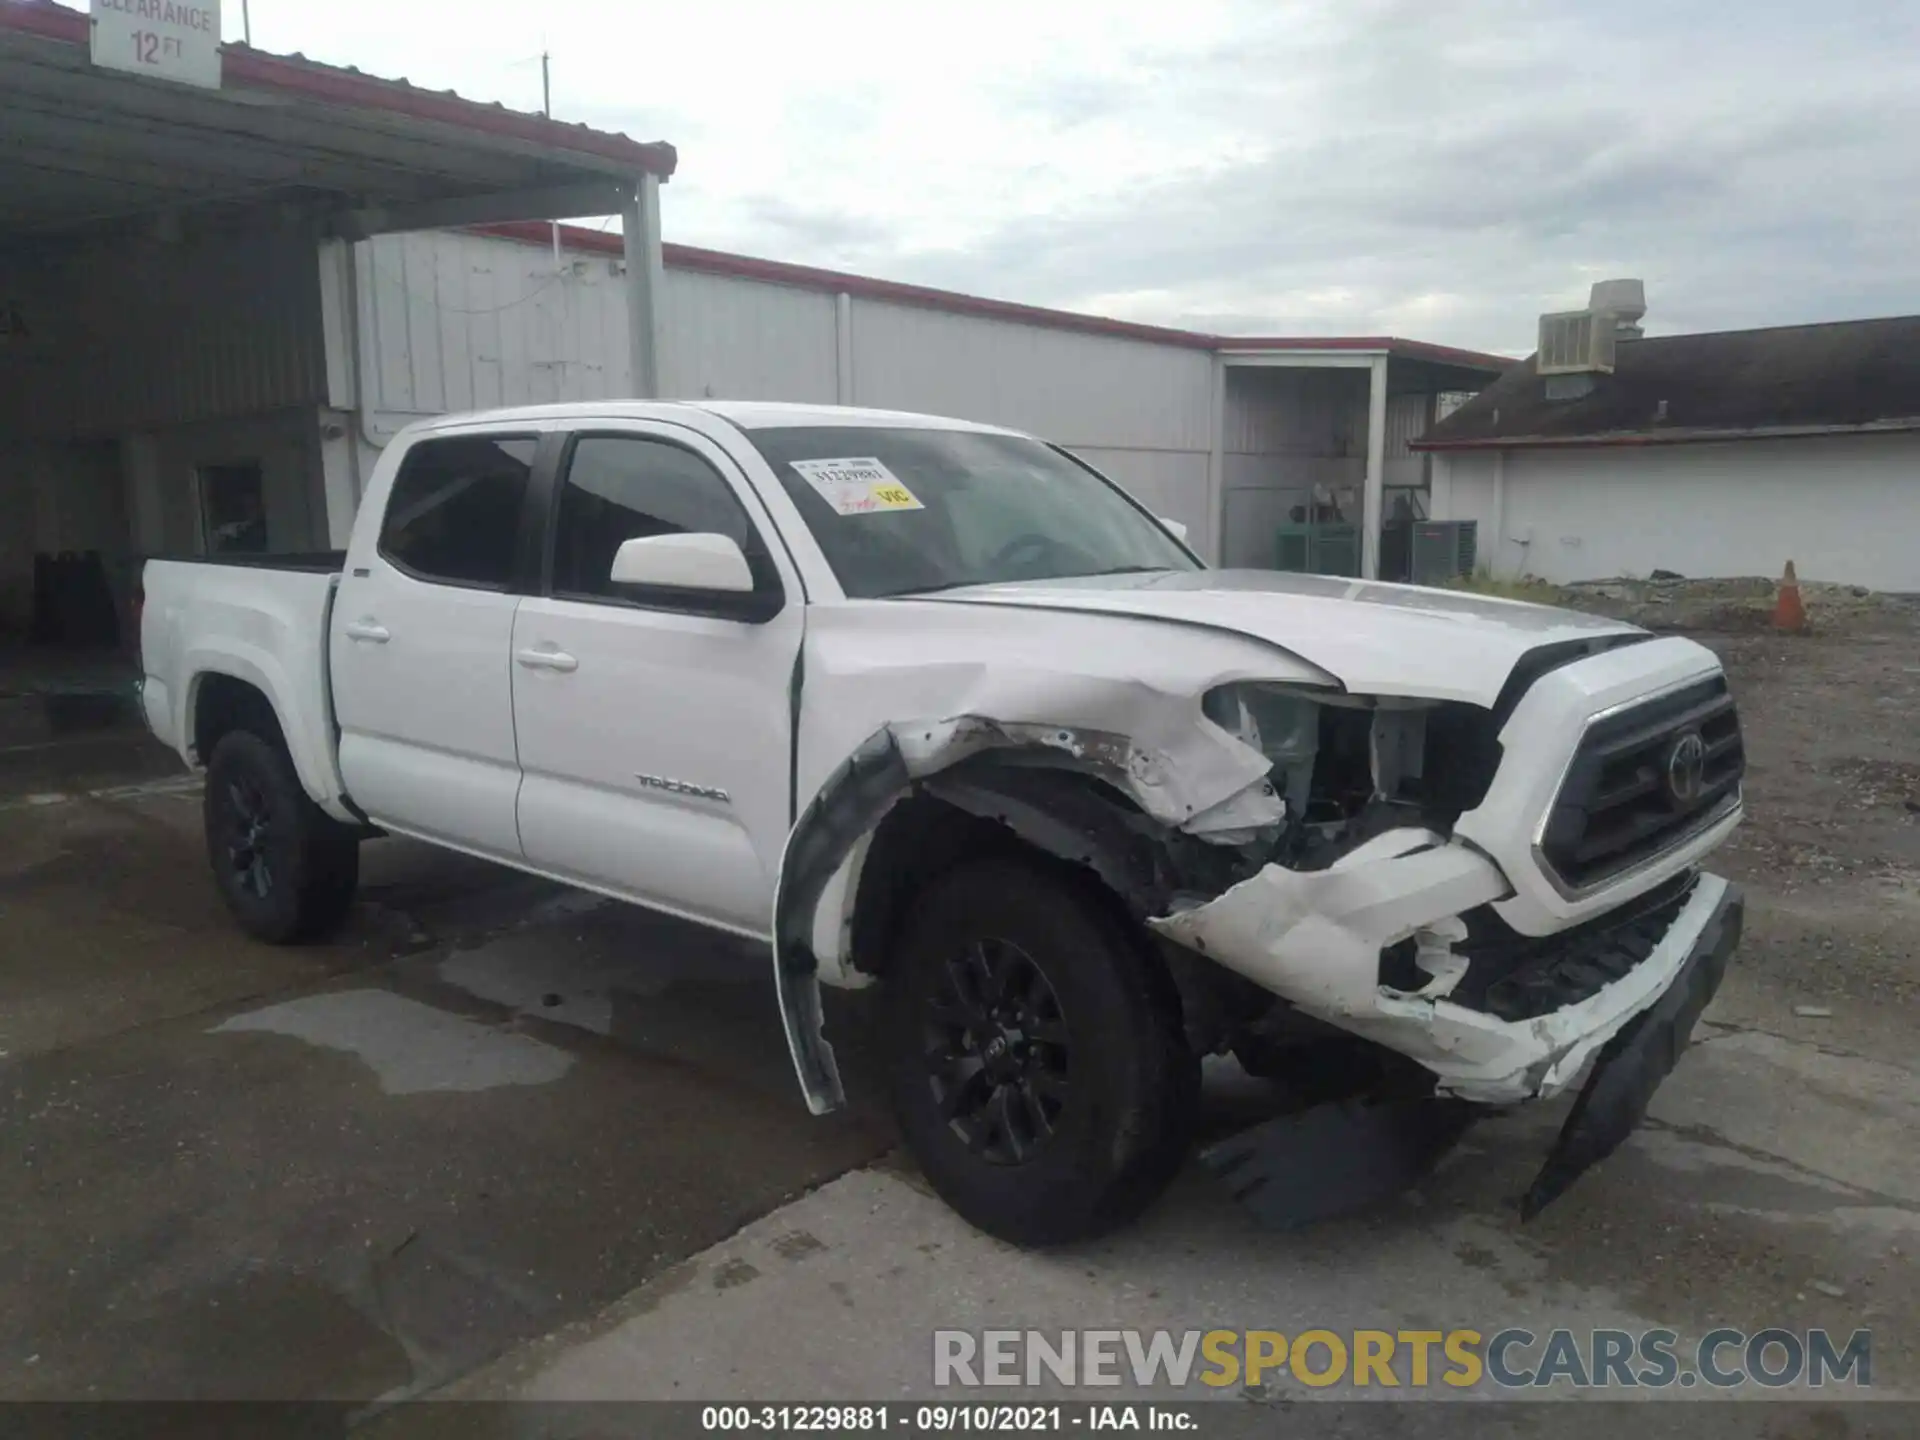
[(1773, 1187)]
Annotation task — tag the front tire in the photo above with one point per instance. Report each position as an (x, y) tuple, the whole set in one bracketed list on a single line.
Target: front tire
[(1035, 1055), (286, 869)]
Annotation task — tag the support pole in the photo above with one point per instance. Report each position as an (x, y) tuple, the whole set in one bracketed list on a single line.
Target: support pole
[(843, 348), (1373, 497), (1497, 555), (646, 279)]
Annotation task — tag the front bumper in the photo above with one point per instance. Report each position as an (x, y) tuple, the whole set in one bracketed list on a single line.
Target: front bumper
[(1315, 938), (1640, 1055), (1314, 1164)]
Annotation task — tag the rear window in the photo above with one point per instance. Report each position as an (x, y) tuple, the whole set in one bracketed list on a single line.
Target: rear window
[(453, 516)]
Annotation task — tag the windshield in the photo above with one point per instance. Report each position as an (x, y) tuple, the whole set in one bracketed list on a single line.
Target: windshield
[(901, 512)]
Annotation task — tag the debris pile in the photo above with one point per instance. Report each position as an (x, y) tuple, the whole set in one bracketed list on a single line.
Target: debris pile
[(1745, 603)]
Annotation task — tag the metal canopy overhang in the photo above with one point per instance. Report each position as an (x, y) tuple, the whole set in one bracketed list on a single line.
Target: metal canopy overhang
[(1440, 367), (86, 148)]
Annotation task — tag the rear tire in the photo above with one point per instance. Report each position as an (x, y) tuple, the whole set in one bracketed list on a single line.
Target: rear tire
[(1035, 1055), (286, 869)]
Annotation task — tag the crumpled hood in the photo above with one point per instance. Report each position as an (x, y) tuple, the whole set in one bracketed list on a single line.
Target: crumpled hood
[(1376, 639)]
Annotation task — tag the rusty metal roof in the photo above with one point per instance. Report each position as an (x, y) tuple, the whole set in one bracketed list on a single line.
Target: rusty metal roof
[(86, 144)]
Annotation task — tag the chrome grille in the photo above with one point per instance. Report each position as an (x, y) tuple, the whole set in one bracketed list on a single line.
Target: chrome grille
[(1643, 781)]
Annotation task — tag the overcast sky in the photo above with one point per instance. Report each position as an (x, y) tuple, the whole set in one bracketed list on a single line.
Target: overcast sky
[(1443, 170)]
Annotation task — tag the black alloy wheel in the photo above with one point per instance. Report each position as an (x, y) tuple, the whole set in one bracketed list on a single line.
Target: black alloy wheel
[(285, 868), (1036, 1057), (247, 814), (999, 1053)]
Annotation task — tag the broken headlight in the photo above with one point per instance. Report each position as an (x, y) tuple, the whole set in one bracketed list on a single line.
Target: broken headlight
[(1334, 756)]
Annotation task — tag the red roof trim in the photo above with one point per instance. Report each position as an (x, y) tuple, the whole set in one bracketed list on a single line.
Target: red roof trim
[(38, 17), (780, 272), (246, 68)]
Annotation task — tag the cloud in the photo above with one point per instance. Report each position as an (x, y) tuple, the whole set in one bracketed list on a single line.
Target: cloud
[(1253, 165)]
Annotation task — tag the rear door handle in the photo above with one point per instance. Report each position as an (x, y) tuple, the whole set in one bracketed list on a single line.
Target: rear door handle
[(547, 660), (368, 630)]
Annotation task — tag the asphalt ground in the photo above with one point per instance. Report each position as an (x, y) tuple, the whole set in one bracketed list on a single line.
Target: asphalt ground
[(500, 1140)]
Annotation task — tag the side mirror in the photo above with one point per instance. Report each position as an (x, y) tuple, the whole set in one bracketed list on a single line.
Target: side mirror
[(1175, 528), (685, 562)]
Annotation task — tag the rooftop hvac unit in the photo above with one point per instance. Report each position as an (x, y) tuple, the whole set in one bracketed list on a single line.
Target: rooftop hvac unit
[(1444, 550), (1577, 342)]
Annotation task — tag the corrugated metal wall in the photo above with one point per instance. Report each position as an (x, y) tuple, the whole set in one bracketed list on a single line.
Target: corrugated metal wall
[(1076, 389), (1286, 432), (141, 334), (1289, 411), (738, 340), (455, 321), (1406, 422), (1141, 413), (452, 321)]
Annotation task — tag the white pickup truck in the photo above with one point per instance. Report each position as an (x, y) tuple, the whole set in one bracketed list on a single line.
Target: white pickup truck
[(934, 705)]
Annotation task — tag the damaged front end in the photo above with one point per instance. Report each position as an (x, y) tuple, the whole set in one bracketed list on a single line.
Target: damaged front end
[(1303, 841)]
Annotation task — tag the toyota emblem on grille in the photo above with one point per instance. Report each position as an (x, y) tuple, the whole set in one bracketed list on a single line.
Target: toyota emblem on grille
[(1686, 767)]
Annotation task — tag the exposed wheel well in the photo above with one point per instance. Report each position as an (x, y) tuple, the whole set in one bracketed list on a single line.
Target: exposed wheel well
[(223, 704), (921, 837), (1074, 826), (1081, 829)]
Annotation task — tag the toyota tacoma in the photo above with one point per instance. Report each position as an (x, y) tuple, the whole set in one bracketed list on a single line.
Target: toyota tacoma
[(935, 707)]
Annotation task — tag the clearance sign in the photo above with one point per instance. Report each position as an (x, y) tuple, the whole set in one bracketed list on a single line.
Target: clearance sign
[(175, 40)]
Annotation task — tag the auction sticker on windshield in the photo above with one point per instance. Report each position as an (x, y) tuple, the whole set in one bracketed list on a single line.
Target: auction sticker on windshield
[(856, 486)]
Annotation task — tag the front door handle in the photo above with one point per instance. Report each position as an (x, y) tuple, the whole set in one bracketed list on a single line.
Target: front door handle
[(368, 630), (547, 660)]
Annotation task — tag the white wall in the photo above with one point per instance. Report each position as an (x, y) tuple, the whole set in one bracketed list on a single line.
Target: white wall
[(1845, 509), (455, 321)]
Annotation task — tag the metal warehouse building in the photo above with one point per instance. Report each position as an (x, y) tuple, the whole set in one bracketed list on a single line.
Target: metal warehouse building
[(218, 301)]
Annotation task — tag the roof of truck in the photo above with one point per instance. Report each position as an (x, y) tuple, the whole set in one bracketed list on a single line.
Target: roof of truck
[(746, 414)]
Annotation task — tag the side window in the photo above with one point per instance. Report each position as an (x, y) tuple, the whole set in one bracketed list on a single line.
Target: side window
[(619, 487), (453, 516)]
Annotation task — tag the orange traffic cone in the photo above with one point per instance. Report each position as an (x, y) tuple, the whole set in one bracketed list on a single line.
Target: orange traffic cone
[(1788, 612)]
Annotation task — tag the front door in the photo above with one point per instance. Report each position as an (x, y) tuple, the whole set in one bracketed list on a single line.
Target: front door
[(655, 725), (420, 643)]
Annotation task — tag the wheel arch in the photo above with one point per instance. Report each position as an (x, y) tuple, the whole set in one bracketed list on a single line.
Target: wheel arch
[(889, 813), (1063, 820), (232, 689), (219, 702)]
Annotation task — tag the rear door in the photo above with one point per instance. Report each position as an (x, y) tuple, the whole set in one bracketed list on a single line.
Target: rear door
[(655, 728), (420, 646)]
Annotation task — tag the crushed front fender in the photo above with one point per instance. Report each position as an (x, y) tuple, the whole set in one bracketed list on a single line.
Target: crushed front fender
[(1214, 785)]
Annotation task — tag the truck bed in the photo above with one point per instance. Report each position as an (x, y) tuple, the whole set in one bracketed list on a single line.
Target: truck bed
[(263, 620), (311, 562)]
